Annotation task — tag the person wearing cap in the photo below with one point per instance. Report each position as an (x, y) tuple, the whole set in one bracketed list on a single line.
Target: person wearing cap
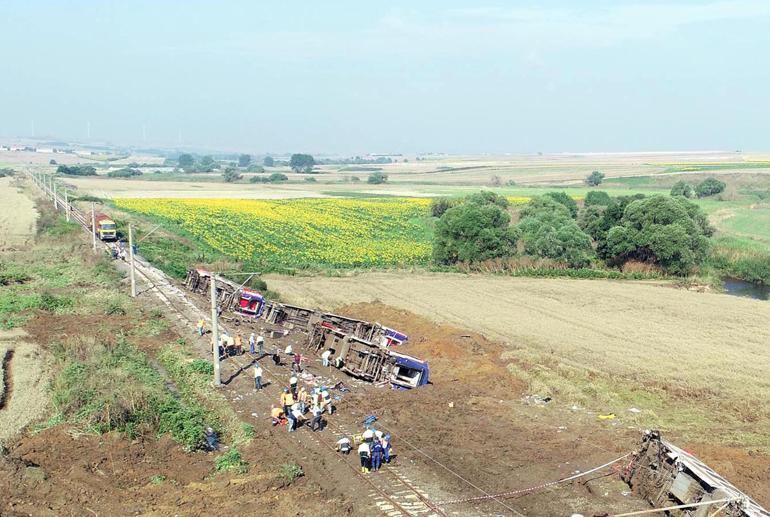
[(365, 455), (368, 435)]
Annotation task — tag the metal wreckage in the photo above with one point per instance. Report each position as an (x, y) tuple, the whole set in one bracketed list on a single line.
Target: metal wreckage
[(361, 349)]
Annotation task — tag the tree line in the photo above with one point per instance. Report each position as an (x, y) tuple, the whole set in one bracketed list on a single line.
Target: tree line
[(668, 232)]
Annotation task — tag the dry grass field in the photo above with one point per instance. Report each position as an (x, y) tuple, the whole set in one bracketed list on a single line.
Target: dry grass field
[(696, 364), (17, 216)]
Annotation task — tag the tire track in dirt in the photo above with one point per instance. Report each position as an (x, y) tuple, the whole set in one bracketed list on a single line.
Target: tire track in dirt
[(7, 380)]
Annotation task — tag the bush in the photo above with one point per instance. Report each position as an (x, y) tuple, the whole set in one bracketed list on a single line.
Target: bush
[(232, 460), (5, 171), (231, 175), (597, 198), (76, 170), (682, 188), (486, 197), (439, 205), (594, 179), (290, 472), (377, 178), (278, 177), (268, 161), (124, 173), (709, 187), (471, 232), (310, 179), (564, 199), (201, 366)]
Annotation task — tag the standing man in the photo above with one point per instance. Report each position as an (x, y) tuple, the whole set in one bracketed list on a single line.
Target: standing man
[(257, 376), (302, 399), (260, 346), (238, 344), (286, 401), (252, 342), (386, 448), (297, 362), (365, 454), (201, 327), (376, 454), (316, 422), (293, 385)]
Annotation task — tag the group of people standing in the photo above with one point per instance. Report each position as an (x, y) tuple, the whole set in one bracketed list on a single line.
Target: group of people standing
[(373, 451), (295, 403)]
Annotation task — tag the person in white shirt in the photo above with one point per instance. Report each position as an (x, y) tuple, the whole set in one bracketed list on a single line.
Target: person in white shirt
[(260, 346), (365, 454), (325, 357), (368, 435), (288, 350), (343, 445), (257, 376)]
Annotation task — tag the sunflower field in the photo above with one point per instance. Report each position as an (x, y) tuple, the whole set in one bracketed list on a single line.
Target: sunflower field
[(301, 233)]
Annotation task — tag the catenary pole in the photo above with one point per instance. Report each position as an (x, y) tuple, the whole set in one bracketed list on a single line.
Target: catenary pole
[(93, 225), (215, 331), (66, 205), (132, 263)]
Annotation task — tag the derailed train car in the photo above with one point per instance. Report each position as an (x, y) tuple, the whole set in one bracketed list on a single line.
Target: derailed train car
[(362, 349), (666, 475)]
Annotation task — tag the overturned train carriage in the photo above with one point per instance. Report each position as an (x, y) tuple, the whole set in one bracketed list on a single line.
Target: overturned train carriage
[(666, 475), (362, 348)]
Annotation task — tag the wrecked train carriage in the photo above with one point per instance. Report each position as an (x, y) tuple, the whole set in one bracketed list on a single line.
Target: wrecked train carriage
[(666, 475), (368, 361)]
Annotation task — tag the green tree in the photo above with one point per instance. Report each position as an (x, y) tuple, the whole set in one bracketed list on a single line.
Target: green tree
[(487, 197), (670, 232), (594, 179), (186, 161), (473, 232), (268, 161), (681, 188), (564, 199), (244, 160), (302, 163), (597, 198), (377, 178), (207, 161), (277, 177), (76, 170), (231, 174), (709, 187), (548, 230), (439, 205)]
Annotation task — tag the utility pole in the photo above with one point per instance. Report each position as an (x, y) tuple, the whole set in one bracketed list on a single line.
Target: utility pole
[(215, 330), (93, 225), (66, 205), (132, 264), (55, 206)]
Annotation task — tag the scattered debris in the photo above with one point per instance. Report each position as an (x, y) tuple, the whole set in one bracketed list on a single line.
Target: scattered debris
[(536, 400), (634, 410), (610, 416)]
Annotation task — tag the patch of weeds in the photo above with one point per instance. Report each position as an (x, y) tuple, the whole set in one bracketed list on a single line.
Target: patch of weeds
[(290, 472), (201, 366), (248, 430), (157, 479), (114, 308), (232, 461), (52, 303), (53, 421), (185, 423)]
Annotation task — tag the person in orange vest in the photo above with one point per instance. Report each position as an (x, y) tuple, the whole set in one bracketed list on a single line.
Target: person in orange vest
[(287, 400), (238, 344), (201, 327)]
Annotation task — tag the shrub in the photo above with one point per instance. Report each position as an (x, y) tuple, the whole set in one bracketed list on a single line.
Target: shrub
[(548, 231), (290, 472), (310, 179), (124, 173), (5, 171), (594, 179), (377, 178), (439, 205), (709, 187), (597, 198), (201, 366), (564, 199), (232, 460), (76, 170), (278, 177), (486, 197), (231, 175), (682, 188)]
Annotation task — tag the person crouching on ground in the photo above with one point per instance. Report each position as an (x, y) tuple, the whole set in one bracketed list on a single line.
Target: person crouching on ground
[(343, 445), (276, 414)]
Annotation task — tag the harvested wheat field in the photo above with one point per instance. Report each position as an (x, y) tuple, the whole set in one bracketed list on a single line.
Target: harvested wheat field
[(24, 385), (17, 217), (696, 365)]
